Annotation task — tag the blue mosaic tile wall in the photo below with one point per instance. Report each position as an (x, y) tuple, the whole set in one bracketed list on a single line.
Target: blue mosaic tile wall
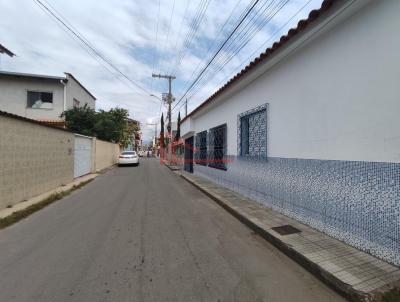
[(356, 202)]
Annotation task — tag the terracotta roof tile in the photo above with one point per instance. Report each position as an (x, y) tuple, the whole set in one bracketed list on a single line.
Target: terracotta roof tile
[(57, 123), (21, 118), (301, 25)]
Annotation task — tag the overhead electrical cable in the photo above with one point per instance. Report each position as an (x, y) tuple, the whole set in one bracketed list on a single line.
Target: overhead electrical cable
[(62, 20), (215, 40), (219, 50), (262, 47), (242, 43), (155, 52), (169, 27), (256, 52), (193, 28), (227, 48), (241, 39), (179, 34), (216, 68)]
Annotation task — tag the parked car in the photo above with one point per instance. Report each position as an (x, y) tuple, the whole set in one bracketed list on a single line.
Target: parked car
[(128, 158), (141, 153)]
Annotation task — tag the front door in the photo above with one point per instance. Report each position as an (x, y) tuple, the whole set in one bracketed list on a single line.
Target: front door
[(189, 155)]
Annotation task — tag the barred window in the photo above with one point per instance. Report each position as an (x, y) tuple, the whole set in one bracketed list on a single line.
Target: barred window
[(39, 100), (217, 147), (201, 148), (253, 132)]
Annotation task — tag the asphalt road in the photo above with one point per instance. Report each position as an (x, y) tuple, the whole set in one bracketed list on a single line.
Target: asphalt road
[(144, 234)]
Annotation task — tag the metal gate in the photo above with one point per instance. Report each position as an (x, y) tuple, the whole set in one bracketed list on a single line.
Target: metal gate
[(82, 155), (188, 164)]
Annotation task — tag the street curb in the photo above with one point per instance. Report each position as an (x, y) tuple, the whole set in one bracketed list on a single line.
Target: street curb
[(18, 207), (339, 286), (41, 202), (172, 167)]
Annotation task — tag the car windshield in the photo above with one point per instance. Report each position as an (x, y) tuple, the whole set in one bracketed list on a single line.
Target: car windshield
[(128, 153)]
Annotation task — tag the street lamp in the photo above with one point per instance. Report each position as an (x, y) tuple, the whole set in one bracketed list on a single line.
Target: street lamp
[(156, 97)]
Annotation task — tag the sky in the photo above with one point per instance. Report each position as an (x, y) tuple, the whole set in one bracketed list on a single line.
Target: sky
[(141, 37)]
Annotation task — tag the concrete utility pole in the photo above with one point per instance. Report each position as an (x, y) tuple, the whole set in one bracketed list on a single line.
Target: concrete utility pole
[(155, 136), (155, 130), (186, 108), (169, 101)]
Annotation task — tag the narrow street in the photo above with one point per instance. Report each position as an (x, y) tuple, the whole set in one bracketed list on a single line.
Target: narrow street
[(144, 234)]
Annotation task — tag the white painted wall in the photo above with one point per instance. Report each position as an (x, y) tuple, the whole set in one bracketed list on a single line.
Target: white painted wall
[(13, 97), (336, 98), (74, 90)]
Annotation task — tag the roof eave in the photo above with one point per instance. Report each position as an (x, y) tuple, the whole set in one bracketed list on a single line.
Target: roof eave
[(79, 83), (266, 59), (30, 76)]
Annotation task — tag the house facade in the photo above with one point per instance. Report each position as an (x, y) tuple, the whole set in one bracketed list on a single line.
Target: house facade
[(311, 127), (40, 97)]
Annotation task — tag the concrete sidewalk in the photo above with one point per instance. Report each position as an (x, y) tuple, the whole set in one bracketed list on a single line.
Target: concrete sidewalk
[(25, 204), (355, 274)]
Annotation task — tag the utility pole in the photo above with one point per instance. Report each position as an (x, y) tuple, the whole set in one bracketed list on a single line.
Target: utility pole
[(155, 129), (155, 136), (169, 101), (186, 108)]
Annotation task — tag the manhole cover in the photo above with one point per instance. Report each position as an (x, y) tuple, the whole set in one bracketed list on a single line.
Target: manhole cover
[(286, 230)]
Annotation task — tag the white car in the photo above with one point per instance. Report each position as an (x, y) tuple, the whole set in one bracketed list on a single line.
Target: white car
[(128, 158), (141, 153)]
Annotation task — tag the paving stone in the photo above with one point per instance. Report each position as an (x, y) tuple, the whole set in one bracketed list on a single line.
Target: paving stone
[(345, 263)]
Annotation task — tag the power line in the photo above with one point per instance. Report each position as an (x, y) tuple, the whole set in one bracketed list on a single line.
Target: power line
[(87, 43), (244, 40), (264, 45), (252, 30), (215, 40), (101, 62), (241, 39), (179, 33), (169, 26), (193, 28), (233, 42), (257, 51), (219, 50), (156, 46)]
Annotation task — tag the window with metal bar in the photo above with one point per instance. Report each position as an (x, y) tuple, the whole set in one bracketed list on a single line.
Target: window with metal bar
[(201, 148), (252, 127), (217, 146)]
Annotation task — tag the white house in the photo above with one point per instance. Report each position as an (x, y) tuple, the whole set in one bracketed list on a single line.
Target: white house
[(42, 97), (311, 127)]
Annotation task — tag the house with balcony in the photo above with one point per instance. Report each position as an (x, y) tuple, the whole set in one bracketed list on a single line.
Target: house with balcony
[(41, 97), (310, 128)]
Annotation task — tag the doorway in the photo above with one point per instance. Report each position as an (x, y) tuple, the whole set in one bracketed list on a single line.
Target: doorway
[(189, 155)]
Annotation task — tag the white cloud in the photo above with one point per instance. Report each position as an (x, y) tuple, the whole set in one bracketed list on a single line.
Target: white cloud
[(124, 31)]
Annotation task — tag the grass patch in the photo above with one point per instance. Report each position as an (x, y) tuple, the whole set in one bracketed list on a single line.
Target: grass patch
[(19, 215)]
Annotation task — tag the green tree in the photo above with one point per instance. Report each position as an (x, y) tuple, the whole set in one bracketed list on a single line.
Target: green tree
[(113, 125)]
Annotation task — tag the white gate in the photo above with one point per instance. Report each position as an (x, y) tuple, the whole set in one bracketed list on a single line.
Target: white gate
[(82, 155)]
